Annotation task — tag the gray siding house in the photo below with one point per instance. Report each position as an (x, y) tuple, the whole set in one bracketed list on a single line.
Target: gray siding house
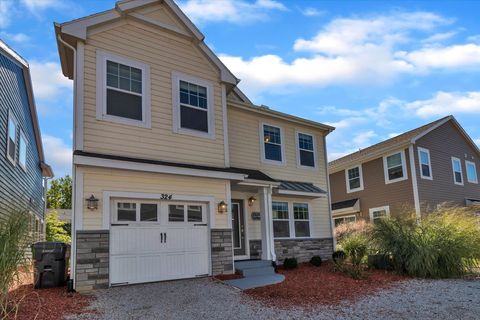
[(22, 164), (418, 170)]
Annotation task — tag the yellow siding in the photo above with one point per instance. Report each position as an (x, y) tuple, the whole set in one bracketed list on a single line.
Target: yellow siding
[(164, 52), (161, 14), (97, 180)]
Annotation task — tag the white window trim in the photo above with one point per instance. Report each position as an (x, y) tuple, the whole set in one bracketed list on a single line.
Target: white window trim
[(372, 210), (12, 117), (344, 217), (262, 145), (404, 167), (24, 137), (420, 150), (291, 220), (467, 163), (297, 144), (101, 96), (347, 180), (176, 78), (453, 171)]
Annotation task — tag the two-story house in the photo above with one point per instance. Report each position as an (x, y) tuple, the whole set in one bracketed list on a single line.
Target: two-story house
[(176, 173), (23, 170), (419, 170)]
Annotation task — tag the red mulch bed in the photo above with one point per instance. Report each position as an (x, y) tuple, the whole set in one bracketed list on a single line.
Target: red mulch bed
[(48, 304), (223, 277), (310, 286)]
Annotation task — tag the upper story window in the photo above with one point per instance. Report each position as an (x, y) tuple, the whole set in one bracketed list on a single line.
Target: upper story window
[(472, 176), (272, 144), (12, 139), (354, 179), (425, 163), (379, 213), (457, 171), (193, 106), (395, 167), (123, 90), (22, 151), (306, 150)]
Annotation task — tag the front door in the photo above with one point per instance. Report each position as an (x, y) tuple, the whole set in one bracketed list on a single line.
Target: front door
[(238, 228)]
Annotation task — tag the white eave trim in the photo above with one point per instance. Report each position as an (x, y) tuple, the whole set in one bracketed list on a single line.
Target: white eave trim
[(300, 193), (147, 167)]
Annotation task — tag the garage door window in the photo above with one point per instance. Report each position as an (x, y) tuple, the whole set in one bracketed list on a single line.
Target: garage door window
[(126, 211), (148, 212), (176, 213), (194, 213)]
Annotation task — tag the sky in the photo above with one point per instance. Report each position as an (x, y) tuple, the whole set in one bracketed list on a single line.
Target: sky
[(372, 69)]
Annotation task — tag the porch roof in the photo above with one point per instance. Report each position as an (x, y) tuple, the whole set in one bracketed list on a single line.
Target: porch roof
[(296, 188)]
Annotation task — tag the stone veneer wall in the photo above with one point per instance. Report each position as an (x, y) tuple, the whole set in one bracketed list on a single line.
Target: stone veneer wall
[(303, 249), (222, 251), (92, 260)]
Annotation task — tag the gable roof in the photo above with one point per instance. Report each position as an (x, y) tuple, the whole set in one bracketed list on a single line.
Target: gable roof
[(68, 33), (395, 143), (10, 53)]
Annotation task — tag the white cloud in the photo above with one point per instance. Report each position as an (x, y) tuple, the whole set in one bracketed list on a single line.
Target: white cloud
[(477, 141), (347, 122), (312, 12), (393, 134), (363, 139), (233, 11), (5, 12), (48, 80), (445, 103), (58, 154), (439, 37), (15, 37), (33, 5), (474, 38)]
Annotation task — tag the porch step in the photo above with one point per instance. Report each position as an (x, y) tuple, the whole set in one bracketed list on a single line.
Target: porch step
[(256, 281), (247, 264)]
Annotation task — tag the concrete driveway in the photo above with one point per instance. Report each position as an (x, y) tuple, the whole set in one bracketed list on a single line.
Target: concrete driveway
[(207, 299)]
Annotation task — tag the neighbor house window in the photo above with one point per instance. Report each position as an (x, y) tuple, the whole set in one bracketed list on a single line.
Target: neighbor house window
[(425, 164), (306, 150), (342, 220), (281, 220), (354, 178), (379, 213), (395, 167), (193, 106), (457, 171), (272, 144), (12, 139), (22, 151), (471, 172), (301, 218), (122, 90)]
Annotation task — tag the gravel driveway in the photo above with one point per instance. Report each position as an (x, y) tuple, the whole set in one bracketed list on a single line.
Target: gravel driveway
[(208, 299)]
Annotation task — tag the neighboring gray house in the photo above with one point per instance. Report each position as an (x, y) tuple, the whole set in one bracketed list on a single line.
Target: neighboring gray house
[(22, 164), (418, 170)]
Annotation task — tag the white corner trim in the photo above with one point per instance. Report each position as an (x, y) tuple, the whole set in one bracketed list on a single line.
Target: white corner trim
[(228, 192), (372, 210), (315, 151), (454, 159), (404, 167), (419, 151), (470, 163), (416, 194), (101, 90), (226, 146), (147, 167), (176, 78), (79, 92), (347, 179), (77, 214), (262, 145)]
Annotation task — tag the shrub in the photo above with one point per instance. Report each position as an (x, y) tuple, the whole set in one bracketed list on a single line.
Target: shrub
[(346, 229), (316, 261), (290, 263), (445, 243), (14, 243), (55, 229), (338, 256), (355, 247)]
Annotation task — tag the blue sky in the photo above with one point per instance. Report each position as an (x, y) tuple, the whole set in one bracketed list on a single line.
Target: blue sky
[(373, 69)]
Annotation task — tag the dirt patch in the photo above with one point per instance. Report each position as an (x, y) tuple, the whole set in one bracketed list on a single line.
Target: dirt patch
[(309, 286), (224, 277)]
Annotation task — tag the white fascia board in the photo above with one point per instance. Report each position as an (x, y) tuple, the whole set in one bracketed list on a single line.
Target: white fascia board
[(78, 28), (147, 167), (133, 4)]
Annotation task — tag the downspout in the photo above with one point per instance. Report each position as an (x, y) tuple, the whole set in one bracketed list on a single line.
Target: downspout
[(73, 231)]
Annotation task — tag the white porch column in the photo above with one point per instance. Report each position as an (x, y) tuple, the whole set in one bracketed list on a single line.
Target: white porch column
[(268, 246)]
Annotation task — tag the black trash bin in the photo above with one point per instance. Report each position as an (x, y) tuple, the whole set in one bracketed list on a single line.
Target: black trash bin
[(50, 263)]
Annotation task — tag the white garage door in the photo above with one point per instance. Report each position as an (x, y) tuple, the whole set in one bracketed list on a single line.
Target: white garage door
[(155, 241)]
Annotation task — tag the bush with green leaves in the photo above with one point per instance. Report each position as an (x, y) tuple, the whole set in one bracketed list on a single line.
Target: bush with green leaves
[(14, 243), (356, 247), (55, 229), (290, 263), (443, 244), (316, 261)]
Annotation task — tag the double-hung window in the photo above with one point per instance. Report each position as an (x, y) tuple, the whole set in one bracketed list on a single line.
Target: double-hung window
[(123, 94), (379, 213), (354, 178), (343, 220), (425, 163), (290, 220), (306, 150), (272, 144), (281, 220), (301, 217), (395, 167), (457, 171), (22, 151), (472, 176), (12, 139), (192, 106)]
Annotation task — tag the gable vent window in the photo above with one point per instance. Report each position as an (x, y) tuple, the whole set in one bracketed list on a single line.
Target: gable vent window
[(395, 167), (457, 171), (306, 150), (12, 139), (272, 144)]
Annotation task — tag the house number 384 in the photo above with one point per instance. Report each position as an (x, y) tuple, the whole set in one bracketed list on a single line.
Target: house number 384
[(165, 196)]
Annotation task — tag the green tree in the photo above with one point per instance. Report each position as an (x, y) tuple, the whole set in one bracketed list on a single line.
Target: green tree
[(55, 229), (59, 195)]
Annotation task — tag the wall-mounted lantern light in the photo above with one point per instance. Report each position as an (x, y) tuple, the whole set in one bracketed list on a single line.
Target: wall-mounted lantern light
[(222, 207), (251, 201), (92, 203)]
